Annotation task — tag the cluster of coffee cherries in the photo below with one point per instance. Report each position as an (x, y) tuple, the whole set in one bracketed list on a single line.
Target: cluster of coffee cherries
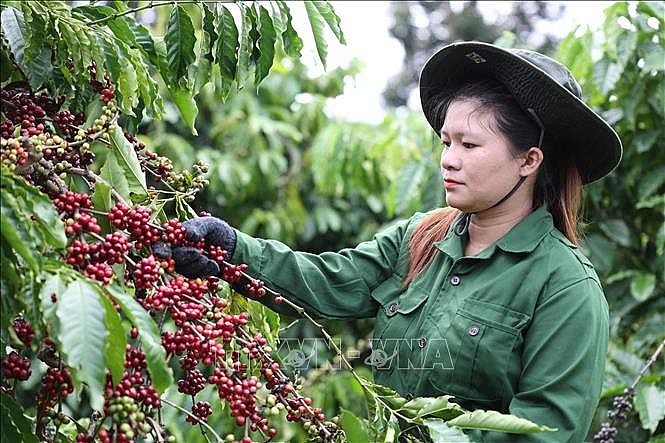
[(208, 336), (158, 166), (26, 110), (40, 138), (131, 402), (12, 153), (211, 341), (16, 366), (189, 181), (621, 407), (105, 89)]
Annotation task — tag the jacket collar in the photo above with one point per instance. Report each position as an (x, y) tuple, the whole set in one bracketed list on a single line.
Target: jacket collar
[(522, 238)]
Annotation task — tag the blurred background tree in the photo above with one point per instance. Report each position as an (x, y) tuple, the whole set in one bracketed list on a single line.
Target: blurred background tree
[(422, 27)]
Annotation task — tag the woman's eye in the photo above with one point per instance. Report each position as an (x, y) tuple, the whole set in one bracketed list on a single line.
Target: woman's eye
[(445, 144), (469, 145)]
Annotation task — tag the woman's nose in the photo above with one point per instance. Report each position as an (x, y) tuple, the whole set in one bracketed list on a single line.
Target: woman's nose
[(449, 158)]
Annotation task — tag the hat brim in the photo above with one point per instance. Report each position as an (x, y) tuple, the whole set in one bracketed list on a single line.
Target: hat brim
[(575, 129)]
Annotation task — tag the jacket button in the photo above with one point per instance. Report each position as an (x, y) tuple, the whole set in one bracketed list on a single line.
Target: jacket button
[(474, 330), (408, 396), (422, 342), (393, 308), (455, 280)]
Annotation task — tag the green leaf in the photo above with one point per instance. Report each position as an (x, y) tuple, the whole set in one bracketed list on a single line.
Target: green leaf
[(84, 41), (642, 286), (82, 337), (408, 183), (440, 432), (292, 42), (101, 200), (262, 319), (114, 176), (38, 66), (160, 373), (114, 354), (650, 405), (316, 23), (605, 75), (266, 45), (54, 285), (186, 105), (15, 425), (10, 430), (645, 140), (495, 421), (113, 61), (128, 84), (45, 226), (653, 180), (93, 12), (209, 34), (227, 44), (43, 214), (179, 41), (441, 407), (14, 233), (627, 42), (143, 38), (654, 58), (353, 427), (245, 49), (128, 161), (12, 28), (278, 20), (122, 31), (617, 230), (431, 194), (328, 13)]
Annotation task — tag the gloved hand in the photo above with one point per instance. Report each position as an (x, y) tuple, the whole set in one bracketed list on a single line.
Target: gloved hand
[(214, 230), (189, 261)]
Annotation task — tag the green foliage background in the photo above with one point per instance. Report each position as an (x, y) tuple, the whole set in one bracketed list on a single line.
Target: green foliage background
[(281, 168)]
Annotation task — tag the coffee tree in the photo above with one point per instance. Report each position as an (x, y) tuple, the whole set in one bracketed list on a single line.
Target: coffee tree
[(100, 334), (622, 69)]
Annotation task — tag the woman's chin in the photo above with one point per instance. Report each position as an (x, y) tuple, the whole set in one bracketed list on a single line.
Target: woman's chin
[(457, 204)]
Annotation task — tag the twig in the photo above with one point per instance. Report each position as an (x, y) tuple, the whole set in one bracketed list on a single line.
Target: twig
[(204, 424), (157, 428), (152, 4), (649, 362)]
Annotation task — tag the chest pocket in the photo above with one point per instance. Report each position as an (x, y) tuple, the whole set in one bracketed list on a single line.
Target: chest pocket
[(397, 311), (482, 337)]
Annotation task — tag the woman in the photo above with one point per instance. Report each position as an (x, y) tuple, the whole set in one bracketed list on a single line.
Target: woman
[(489, 299)]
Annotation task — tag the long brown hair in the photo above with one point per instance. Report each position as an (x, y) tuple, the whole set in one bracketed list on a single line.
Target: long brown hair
[(558, 184)]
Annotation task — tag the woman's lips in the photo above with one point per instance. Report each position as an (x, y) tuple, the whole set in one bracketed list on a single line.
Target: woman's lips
[(449, 183)]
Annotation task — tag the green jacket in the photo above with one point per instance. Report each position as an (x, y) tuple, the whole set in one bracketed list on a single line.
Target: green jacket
[(521, 327)]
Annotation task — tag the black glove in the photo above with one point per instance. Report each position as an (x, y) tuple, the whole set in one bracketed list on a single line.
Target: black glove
[(190, 262), (214, 230)]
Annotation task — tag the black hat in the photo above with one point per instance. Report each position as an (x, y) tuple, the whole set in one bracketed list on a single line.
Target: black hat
[(537, 82)]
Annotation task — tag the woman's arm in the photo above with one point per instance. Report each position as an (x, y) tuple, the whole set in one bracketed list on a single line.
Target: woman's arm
[(330, 285)]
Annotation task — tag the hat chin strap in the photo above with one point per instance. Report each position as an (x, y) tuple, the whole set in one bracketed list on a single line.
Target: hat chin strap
[(462, 227)]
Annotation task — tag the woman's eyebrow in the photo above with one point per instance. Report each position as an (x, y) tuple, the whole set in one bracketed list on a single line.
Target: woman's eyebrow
[(458, 133)]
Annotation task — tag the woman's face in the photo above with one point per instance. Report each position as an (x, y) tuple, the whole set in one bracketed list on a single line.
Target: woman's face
[(477, 164)]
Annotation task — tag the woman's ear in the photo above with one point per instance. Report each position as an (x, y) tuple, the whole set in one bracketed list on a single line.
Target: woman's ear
[(531, 161)]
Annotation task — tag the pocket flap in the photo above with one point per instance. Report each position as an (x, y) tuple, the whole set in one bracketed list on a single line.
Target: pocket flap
[(409, 301), (388, 295), (496, 316)]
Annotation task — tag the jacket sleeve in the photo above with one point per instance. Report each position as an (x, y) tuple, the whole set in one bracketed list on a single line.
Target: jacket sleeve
[(563, 361), (330, 285)]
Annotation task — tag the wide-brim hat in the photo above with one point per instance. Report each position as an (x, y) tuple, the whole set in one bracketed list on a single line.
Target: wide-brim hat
[(537, 82)]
